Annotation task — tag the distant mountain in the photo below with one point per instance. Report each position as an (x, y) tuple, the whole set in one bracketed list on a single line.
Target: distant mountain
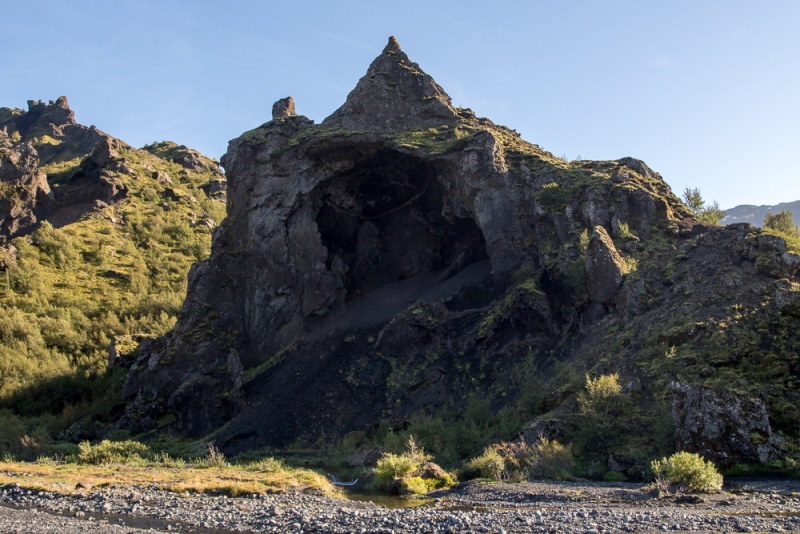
[(755, 214)]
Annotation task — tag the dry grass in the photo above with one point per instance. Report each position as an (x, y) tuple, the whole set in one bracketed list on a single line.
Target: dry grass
[(233, 481)]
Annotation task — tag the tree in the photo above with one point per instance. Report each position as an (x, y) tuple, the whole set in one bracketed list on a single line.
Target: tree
[(782, 222), (693, 200), (710, 214)]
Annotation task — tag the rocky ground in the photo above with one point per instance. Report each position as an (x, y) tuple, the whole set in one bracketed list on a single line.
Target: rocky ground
[(745, 506)]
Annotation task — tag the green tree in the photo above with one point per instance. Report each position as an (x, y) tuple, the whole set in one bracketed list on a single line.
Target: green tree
[(782, 222), (710, 214)]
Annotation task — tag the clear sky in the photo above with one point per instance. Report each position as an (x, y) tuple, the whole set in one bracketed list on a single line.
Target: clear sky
[(706, 92)]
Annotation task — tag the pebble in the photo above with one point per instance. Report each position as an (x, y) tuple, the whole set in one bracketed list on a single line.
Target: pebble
[(535, 507)]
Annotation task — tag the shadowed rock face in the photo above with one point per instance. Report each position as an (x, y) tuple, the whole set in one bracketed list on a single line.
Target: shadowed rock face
[(368, 263)]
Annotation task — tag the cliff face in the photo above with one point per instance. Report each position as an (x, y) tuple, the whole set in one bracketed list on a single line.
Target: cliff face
[(405, 255)]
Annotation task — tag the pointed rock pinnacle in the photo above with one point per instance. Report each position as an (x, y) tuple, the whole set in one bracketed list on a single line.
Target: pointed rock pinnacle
[(394, 96)]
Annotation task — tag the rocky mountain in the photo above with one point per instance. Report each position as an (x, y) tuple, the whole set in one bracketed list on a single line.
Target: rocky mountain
[(406, 259), (96, 239), (755, 214)]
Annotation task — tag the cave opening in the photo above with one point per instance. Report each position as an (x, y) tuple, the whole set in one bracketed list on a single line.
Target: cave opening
[(384, 221)]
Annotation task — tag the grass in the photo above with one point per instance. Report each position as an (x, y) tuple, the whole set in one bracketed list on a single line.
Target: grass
[(234, 480), (119, 271)]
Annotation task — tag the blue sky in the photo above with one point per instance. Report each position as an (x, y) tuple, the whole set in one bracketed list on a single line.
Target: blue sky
[(707, 93)]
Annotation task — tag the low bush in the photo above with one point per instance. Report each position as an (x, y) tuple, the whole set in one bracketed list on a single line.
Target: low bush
[(393, 466), (421, 486), (687, 471), (112, 452), (551, 460), (490, 464)]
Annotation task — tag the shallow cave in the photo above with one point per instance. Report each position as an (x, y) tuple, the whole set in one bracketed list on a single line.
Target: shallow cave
[(384, 221)]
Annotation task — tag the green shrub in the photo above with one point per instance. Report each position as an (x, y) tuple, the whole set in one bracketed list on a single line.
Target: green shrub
[(600, 395), (490, 464), (551, 460), (413, 486), (552, 196), (394, 466), (688, 470), (168, 461), (112, 452), (214, 458)]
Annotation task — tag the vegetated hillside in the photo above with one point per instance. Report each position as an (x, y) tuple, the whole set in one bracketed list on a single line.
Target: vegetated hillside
[(408, 268), (755, 214), (99, 238)]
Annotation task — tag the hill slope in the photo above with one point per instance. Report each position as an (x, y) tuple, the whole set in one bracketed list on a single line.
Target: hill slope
[(406, 267), (99, 237)]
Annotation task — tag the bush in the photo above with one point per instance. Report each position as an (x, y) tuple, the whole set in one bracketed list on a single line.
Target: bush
[(551, 460), (214, 458), (394, 466), (689, 471), (600, 394), (112, 452), (421, 486), (781, 222), (490, 464)]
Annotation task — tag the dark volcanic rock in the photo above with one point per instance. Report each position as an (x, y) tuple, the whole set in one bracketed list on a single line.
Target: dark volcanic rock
[(406, 256), (722, 426), (604, 267), (395, 95)]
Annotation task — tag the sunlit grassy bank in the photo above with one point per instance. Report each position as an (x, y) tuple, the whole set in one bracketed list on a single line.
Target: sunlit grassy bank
[(230, 480)]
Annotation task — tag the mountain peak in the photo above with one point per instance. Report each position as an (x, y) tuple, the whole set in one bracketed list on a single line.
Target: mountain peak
[(395, 95), (393, 45)]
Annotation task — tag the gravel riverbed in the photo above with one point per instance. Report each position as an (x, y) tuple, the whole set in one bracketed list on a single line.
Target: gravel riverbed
[(745, 506)]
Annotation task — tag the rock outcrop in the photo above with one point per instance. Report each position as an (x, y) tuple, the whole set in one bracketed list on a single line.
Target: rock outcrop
[(44, 137), (283, 108), (722, 426), (25, 195), (604, 267), (405, 256)]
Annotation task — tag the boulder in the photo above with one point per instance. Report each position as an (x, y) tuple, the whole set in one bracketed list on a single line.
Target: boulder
[(604, 267), (283, 108), (723, 426), (787, 297), (162, 178)]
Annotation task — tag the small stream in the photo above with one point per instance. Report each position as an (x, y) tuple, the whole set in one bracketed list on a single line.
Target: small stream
[(360, 494)]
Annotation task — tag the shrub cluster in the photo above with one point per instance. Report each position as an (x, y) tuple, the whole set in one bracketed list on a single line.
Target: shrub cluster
[(687, 471)]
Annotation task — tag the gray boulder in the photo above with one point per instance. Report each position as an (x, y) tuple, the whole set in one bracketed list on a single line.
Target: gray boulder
[(723, 426)]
